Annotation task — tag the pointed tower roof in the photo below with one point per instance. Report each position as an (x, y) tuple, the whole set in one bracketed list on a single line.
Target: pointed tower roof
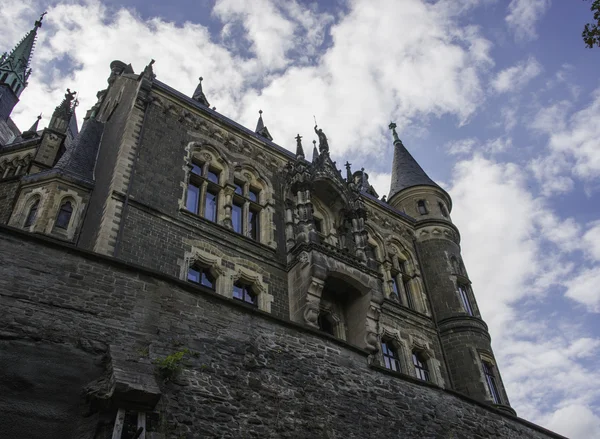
[(299, 149), (406, 172), (33, 130), (261, 129), (199, 94), (14, 67)]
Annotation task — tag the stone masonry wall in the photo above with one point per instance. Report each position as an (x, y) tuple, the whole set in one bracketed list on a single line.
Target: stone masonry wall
[(250, 375)]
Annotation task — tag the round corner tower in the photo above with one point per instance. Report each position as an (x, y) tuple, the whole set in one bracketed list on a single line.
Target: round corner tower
[(464, 336)]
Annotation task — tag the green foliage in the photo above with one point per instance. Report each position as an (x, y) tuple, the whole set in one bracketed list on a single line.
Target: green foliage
[(170, 366), (591, 31)]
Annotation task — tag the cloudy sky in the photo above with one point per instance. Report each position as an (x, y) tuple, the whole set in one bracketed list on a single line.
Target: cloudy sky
[(495, 98)]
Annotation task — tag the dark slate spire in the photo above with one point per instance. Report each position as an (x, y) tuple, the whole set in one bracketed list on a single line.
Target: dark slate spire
[(299, 149), (79, 159), (406, 172), (199, 94), (261, 129), (14, 67), (315, 151)]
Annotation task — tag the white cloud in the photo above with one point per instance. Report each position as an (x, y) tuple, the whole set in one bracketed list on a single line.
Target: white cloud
[(591, 241), (516, 77), (462, 146), (575, 420), (490, 146), (515, 249), (523, 15), (585, 288)]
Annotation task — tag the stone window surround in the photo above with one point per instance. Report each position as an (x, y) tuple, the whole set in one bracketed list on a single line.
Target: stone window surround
[(23, 205), (209, 156), (459, 281), (76, 204), (16, 162), (392, 270), (489, 358), (225, 278)]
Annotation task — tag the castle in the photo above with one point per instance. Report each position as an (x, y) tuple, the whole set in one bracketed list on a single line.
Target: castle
[(167, 273)]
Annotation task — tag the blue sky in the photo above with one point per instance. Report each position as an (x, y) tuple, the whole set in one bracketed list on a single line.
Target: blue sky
[(497, 99)]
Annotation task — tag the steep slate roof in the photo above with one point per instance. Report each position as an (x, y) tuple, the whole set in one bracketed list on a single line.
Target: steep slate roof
[(79, 159), (406, 172)]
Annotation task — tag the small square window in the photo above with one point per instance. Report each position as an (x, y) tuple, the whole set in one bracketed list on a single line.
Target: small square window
[(244, 293), (422, 207)]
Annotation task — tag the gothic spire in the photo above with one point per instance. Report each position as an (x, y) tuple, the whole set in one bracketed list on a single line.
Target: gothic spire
[(299, 149), (33, 130), (261, 129), (315, 151), (406, 172), (199, 94), (14, 67)]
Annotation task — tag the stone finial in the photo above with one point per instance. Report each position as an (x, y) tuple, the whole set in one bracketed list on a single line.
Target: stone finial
[(38, 23), (299, 149), (315, 151), (261, 129), (392, 126), (348, 171), (199, 95)]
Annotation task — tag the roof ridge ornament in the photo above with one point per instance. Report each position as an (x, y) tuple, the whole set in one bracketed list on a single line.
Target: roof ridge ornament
[(392, 126), (38, 23), (199, 95), (261, 128), (299, 149)]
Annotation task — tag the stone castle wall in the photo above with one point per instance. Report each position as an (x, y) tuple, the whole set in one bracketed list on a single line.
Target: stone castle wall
[(250, 374)]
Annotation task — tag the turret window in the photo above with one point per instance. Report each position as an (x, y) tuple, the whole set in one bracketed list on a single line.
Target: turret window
[(405, 278), (443, 209), (422, 207), (64, 216), (490, 378), (420, 363), (245, 210), (464, 297), (31, 215), (391, 359)]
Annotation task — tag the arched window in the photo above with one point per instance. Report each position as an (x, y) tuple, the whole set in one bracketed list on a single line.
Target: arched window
[(490, 378), (201, 275), (203, 191), (405, 279), (391, 359), (422, 207), (31, 215), (64, 216), (420, 363), (244, 293)]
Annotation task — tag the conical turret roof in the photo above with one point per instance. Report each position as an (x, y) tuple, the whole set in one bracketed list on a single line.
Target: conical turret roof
[(406, 172)]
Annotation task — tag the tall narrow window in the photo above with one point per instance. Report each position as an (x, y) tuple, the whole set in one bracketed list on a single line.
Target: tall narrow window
[(488, 371), (237, 210), (406, 284), (64, 216), (210, 205), (244, 293), (395, 289), (464, 297), (443, 209), (202, 276), (390, 355), (326, 323), (422, 207), (32, 214), (203, 191), (420, 363), (253, 231)]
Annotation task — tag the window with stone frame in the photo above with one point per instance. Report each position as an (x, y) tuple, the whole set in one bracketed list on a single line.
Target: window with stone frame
[(131, 424), (246, 209), (395, 290), (326, 322), (201, 275), (389, 352), (32, 213), (443, 209), (244, 292), (204, 188), (420, 365), (490, 379), (422, 207), (404, 278), (63, 219), (463, 292)]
